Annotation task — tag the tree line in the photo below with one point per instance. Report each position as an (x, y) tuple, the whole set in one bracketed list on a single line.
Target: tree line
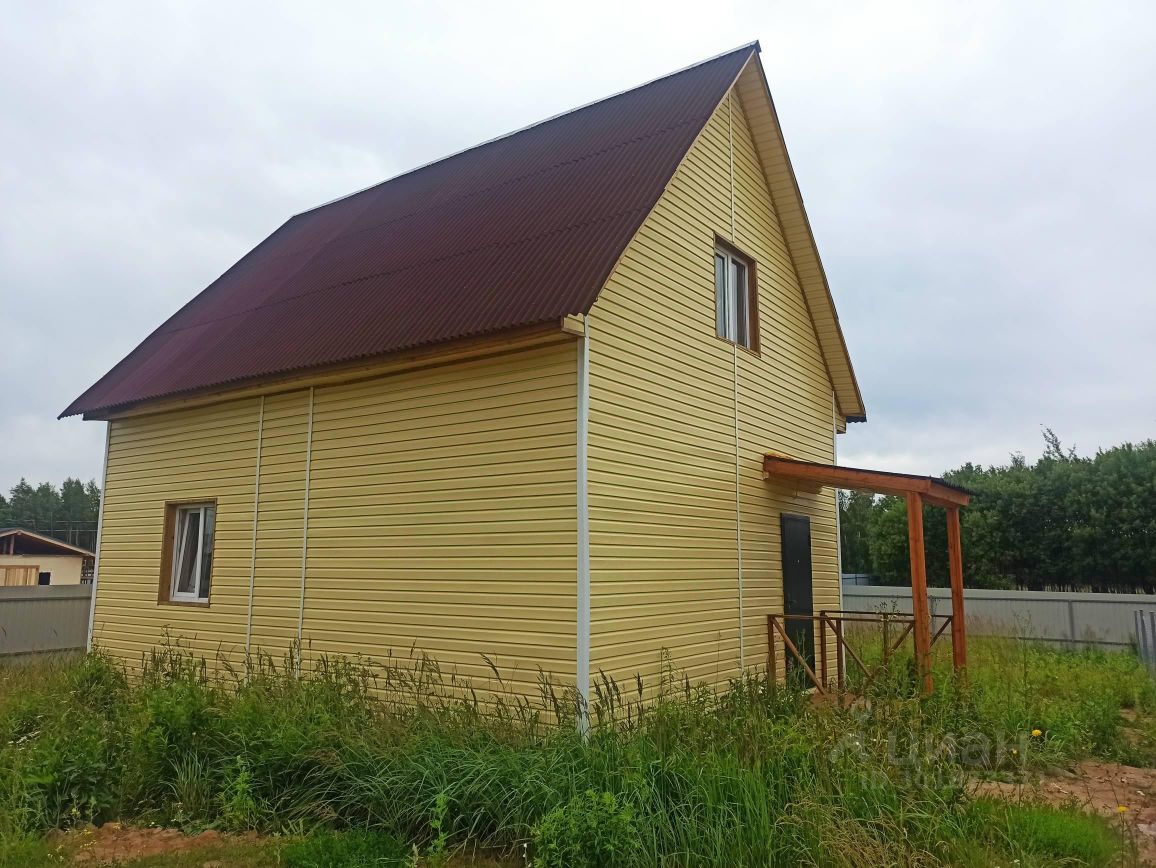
[(68, 513), (1065, 522)]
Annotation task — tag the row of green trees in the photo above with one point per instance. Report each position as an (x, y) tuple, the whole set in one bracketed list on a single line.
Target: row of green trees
[(68, 513), (1063, 523)]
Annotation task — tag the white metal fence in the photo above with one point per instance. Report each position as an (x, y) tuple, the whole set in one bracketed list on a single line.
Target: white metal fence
[(1073, 619), (1146, 637), (44, 618)]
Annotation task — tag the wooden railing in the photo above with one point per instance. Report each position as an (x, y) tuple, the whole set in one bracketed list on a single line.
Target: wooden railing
[(834, 621)]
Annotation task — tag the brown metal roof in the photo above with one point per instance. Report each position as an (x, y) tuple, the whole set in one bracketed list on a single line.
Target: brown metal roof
[(519, 231)]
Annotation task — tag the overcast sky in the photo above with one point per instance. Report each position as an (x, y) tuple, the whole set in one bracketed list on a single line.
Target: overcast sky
[(981, 180)]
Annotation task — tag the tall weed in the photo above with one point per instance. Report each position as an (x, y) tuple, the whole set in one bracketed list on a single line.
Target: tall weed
[(672, 773)]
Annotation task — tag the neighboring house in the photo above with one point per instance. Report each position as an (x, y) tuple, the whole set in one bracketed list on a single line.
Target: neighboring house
[(30, 558), (515, 403)]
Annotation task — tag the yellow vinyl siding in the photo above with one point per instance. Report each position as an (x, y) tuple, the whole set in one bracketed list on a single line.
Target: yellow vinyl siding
[(441, 518), (442, 512), (785, 405), (664, 551), (191, 457)]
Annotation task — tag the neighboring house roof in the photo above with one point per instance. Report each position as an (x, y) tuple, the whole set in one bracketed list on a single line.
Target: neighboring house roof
[(37, 543), (519, 231)]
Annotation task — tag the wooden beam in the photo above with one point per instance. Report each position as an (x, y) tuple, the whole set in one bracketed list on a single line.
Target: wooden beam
[(919, 607), (857, 479), (955, 563)]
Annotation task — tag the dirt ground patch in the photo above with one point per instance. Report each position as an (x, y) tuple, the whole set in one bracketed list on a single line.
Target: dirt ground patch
[(114, 842), (117, 844), (1122, 793)]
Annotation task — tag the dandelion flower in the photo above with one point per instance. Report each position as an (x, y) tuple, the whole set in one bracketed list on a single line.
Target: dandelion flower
[(1121, 809), (1036, 733)]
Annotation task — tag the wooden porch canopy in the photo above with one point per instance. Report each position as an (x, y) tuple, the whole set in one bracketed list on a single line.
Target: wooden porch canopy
[(916, 490)]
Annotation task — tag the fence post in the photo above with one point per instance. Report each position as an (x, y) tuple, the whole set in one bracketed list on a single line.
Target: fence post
[(1151, 637), (1138, 626), (1142, 646), (1072, 621)]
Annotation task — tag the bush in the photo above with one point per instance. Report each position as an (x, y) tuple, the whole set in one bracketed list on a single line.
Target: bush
[(590, 831)]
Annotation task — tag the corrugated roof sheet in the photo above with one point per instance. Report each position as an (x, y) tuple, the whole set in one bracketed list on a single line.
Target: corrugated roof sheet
[(521, 230)]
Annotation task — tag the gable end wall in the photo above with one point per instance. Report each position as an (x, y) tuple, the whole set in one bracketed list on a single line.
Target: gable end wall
[(663, 510)]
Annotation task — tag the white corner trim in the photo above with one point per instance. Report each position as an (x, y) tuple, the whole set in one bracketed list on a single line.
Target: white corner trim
[(582, 662), (253, 554), (99, 531), (305, 526)]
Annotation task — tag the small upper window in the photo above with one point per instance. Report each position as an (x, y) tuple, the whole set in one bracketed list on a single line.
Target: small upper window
[(191, 526), (734, 295)]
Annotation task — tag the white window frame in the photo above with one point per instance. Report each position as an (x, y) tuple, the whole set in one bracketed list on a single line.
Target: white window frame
[(733, 308), (179, 512)]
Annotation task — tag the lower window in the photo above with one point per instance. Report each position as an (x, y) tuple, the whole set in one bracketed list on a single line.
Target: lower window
[(189, 531)]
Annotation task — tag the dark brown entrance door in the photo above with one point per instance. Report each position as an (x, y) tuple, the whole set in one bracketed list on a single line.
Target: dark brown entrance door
[(798, 596)]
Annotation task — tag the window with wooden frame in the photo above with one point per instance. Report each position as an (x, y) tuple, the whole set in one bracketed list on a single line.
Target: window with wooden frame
[(187, 559), (735, 294)]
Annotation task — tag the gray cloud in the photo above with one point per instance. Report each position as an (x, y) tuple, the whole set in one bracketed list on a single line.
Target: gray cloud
[(979, 179)]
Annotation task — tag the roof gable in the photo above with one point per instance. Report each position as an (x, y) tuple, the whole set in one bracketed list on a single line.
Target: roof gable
[(755, 96), (30, 542), (518, 231)]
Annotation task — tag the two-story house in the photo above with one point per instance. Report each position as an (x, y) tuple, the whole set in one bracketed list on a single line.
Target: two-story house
[(515, 402)]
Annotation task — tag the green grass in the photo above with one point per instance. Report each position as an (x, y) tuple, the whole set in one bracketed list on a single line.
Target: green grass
[(350, 849), (1043, 834), (30, 851), (670, 773), (1014, 687)]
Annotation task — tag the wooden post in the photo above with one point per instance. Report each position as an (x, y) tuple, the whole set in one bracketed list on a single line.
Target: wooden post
[(919, 608), (772, 657), (886, 639), (822, 646), (955, 562), (841, 677)]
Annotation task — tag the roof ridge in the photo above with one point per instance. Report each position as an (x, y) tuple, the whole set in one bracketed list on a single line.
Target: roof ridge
[(750, 46)]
